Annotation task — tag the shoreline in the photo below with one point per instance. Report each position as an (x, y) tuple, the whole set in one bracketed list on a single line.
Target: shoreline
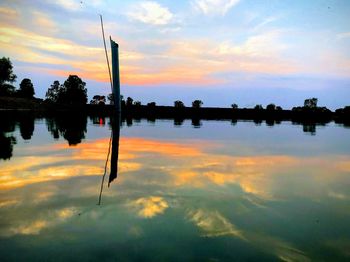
[(40, 108)]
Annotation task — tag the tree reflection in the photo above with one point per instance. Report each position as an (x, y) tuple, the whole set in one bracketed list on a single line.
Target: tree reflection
[(6, 146), (178, 121), (270, 122), (26, 126), (98, 120), (8, 125), (309, 128), (72, 128), (129, 121), (257, 122), (196, 122)]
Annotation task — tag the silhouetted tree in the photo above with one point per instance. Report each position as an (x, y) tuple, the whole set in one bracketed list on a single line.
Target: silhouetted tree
[(6, 76), (151, 104), (137, 103), (110, 98), (7, 90), (98, 100), (258, 107), (179, 104), (234, 106), (197, 103), (72, 92), (129, 101), (122, 101), (53, 92), (271, 107), (26, 88), (310, 103), (278, 108)]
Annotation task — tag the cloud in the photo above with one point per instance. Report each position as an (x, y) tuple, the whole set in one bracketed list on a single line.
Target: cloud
[(36, 226), (344, 35), (33, 228), (267, 45), (70, 5), (148, 207), (8, 12), (213, 224), (44, 22), (214, 7), (149, 12), (266, 21)]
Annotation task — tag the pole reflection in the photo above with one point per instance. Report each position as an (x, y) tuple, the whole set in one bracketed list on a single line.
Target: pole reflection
[(114, 146)]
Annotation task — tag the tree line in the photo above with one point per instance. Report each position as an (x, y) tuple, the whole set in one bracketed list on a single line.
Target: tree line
[(7, 78), (72, 91)]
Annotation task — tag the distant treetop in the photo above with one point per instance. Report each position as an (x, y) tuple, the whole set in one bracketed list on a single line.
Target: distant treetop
[(26, 88), (197, 103), (178, 104), (7, 77), (72, 92), (6, 73)]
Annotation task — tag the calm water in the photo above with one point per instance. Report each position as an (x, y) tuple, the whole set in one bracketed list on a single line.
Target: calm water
[(185, 191)]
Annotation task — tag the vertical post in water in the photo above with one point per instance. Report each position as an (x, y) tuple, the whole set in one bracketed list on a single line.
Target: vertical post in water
[(115, 73), (115, 149)]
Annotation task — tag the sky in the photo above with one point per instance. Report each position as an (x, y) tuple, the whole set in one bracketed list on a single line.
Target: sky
[(246, 52)]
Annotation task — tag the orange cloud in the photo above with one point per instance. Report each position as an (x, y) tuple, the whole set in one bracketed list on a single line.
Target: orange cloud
[(8, 12), (186, 62), (148, 207), (186, 164)]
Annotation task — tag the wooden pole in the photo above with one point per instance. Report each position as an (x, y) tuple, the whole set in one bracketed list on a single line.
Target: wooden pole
[(115, 73)]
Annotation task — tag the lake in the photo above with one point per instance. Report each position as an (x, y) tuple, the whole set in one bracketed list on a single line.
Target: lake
[(179, 190)]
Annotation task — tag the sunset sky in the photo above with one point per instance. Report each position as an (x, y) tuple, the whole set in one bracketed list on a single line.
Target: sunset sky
[(220, 51)]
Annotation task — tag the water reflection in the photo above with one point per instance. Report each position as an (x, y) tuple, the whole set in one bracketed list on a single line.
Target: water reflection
[(7, 140), (98, 120), (6, 146), (309, 128), (178, 121), (115, 149), (113, 145), (196, 122), (71, 127), (26, 126), (266, 193)]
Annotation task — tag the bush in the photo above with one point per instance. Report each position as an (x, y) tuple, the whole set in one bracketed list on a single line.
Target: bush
[(178, 104), (26, 88), (197, 104)]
